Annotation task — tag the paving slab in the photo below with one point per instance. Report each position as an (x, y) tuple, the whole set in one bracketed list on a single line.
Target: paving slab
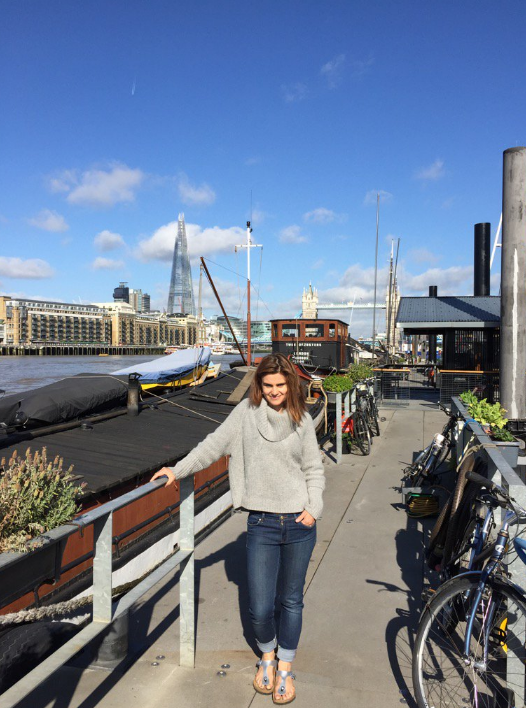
[(362, 601)]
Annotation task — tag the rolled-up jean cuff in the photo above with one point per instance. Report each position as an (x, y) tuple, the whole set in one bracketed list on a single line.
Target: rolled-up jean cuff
[(267, 646), (286, 654)]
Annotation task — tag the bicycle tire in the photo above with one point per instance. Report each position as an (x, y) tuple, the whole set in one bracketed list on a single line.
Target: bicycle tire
[(361, 433), (441, 676), (375, 415)]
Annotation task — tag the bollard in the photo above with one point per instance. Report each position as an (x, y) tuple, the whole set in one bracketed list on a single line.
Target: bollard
[(133, 394)]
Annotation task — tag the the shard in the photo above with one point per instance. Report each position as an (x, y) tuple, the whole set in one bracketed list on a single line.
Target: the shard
[(181, 296)]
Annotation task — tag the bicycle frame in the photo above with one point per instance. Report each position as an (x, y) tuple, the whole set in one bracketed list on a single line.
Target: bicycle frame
[(496, 557)]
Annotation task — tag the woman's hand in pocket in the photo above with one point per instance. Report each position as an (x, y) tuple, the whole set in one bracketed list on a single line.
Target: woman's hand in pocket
[(306, 519)]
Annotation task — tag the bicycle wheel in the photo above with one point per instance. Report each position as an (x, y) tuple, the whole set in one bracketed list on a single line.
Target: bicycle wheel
[(373, 413), (361, 433), (442, 675)]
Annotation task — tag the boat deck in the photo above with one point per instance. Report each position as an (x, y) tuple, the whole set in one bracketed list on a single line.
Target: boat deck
[(361, 606)]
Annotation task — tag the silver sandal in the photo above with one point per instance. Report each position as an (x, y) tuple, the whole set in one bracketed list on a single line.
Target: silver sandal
[(266, 688), (282, 689)]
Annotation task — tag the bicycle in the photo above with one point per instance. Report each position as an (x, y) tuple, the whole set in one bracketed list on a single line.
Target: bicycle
[(431, 457), (357, 430), (366, 403), (470, 647)]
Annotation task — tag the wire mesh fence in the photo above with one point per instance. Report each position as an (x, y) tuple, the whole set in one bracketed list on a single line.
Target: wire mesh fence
[(484, 384), (393, 386)]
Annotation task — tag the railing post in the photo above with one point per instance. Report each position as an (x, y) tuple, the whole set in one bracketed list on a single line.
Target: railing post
[(102, 568), (186, 578), (353, 400), (346, 410), (338, 425)]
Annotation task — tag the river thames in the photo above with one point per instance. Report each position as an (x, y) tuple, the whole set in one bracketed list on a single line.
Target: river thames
[(22, 373)]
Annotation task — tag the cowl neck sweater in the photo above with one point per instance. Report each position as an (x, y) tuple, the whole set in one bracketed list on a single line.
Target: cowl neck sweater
[(273, 426), (275, 465)]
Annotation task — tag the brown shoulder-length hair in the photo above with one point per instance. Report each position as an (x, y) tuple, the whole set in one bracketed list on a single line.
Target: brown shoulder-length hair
[(279, 364)]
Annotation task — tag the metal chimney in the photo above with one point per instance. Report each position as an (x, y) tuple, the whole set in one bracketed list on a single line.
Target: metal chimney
[(432, 339), (482, 253), (513, 292)]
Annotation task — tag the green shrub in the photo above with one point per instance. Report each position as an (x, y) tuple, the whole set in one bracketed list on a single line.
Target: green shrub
[(360, 372), (488, 414), (35, 496), (338, 383)]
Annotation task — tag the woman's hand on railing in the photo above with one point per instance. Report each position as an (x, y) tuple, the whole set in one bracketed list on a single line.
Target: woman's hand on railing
[(165, 472)]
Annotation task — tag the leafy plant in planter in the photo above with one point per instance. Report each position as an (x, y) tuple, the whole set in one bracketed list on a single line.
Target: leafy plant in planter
[(359, 372), (489, 415), (35, 496), (337, 383)]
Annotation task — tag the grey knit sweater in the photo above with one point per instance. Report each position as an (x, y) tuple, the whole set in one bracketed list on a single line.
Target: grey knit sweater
[(275, 465)]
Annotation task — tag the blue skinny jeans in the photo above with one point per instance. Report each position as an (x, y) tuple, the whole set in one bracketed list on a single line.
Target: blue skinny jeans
[(277, 547)]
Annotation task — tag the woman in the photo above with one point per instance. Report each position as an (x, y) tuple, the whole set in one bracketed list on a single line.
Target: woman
[(276, 474)]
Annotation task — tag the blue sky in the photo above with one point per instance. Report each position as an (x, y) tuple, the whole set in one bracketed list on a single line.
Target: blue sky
[(117, 116)]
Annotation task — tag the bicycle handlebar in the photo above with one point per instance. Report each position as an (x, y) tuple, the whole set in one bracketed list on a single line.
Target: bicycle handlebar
[(482, 481)]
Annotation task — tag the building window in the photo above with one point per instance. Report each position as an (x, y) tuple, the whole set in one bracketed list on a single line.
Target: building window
[(314, 330)]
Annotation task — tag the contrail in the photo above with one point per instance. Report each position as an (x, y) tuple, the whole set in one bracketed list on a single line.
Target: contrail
[(133, 87)]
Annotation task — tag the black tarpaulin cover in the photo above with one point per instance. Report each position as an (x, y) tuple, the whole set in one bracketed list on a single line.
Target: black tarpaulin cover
[(75, 397)]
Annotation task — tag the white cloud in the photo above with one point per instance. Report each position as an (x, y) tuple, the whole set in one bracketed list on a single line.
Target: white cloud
[(258, 217), (320, 216), (423, 255), (456, 280), (318, 264), (294, 92), (49, 221), (201, 242), (202, 195), (99, 187), (292, 234), (361, 67), (432, 172), (107, 264), (31, 269), (332, 70), (108, 241), (252, 161), (370, 197)]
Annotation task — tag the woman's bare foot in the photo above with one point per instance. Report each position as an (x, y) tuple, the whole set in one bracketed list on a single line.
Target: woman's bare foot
[(290, 691), (271, 672)]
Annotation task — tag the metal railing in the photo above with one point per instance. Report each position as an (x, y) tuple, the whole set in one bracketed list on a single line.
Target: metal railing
[(500, 471), (393, 386), (452, 383), (105, 611)]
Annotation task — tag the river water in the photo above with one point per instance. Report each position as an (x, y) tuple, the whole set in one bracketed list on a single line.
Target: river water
[(23, 373)]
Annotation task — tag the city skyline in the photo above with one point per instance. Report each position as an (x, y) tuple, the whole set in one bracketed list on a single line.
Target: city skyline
[(109, 129)]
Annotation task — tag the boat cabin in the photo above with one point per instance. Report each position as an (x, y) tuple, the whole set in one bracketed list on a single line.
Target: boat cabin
[(312, 342)]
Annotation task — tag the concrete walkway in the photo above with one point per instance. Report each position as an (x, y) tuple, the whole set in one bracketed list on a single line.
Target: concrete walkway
[(361, 606)]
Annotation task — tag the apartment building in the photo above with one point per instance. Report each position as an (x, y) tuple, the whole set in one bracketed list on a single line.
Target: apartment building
[(115, 323)]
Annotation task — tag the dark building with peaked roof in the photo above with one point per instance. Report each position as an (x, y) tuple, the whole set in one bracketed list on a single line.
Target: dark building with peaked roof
[(470, 326)]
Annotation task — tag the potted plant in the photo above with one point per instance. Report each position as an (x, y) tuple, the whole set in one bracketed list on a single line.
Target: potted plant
[(491, 418), (36, 497), (337, 383)]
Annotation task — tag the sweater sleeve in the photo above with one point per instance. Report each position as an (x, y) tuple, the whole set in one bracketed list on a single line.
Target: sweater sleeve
[(312, 467), (214, 446)]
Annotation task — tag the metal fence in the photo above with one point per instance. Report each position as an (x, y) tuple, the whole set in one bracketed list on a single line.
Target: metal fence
[(500, 471), (105, 611), (452, 383), (393, 386)]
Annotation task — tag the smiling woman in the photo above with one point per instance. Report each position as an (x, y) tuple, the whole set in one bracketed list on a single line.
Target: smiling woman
[(276, 474)]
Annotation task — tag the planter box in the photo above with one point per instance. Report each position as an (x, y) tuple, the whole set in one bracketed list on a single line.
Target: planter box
[(24, 572)]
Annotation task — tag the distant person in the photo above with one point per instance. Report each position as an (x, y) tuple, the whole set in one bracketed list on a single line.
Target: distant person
[(276, 474)]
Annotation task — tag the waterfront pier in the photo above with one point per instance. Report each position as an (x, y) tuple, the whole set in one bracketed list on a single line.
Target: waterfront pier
[(362, 602)]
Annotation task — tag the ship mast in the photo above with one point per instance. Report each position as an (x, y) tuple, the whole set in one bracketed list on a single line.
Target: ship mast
[(248, 246)]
